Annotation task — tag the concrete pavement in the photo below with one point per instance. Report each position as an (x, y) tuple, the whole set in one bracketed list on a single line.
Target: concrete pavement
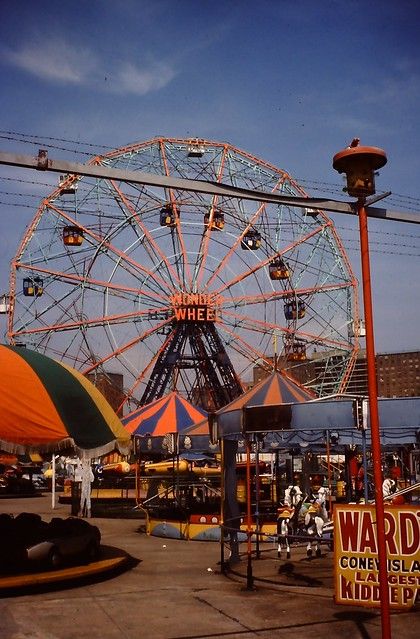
[(174, 590)]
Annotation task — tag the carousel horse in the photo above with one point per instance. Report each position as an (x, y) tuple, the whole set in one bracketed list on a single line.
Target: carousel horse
[(389, 487), (315, 518), (286, 518)]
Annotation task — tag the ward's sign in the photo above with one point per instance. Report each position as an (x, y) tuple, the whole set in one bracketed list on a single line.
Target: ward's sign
[(356, 555)]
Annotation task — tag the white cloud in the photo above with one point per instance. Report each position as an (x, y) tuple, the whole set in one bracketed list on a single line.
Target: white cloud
[(142, 80), (60, 62), (54, 60)]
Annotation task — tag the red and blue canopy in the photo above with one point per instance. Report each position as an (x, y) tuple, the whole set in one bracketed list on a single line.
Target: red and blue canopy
[(47, 405), (169, 414)]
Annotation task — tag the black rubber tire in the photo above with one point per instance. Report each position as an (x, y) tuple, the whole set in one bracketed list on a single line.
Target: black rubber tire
[(55, 560)]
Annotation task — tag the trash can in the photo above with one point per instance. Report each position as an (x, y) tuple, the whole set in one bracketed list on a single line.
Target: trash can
[(76, 489)]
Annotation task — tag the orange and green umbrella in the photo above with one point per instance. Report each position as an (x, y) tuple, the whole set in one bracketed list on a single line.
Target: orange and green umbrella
[(46, 405)]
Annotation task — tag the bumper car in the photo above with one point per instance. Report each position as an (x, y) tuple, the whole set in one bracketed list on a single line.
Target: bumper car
[(27, 542)]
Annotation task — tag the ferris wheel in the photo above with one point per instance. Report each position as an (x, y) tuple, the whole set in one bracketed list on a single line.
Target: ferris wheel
[(164, 289)]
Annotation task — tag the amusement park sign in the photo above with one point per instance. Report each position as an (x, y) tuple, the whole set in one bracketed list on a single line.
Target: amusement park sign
[(195, 307), (356, 559)]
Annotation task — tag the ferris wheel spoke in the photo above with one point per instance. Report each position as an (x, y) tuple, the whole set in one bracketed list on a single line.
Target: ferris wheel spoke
[(251, 324), (141, 376), (205, 239), (85, 324), (31, 230), (25, 319), (248, 349), (306, 265), (94, 285), (272, 296), (122, 349), (151, 244), (316, 338), (332, 302), (76, 359), (184, 274), (76, 259), (263, 263)]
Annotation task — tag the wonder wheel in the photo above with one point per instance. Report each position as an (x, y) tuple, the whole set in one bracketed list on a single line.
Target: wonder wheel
[(155, 288)]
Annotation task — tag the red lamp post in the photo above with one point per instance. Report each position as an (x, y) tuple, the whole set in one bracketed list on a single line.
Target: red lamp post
[(359, 164)]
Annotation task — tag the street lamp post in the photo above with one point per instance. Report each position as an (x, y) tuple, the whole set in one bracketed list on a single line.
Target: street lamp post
[(359, 164)]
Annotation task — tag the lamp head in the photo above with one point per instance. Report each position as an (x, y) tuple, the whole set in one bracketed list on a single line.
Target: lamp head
[(359, 163)]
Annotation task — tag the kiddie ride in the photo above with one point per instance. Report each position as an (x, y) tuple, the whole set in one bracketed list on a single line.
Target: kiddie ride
[(182, 498), (183, 501)]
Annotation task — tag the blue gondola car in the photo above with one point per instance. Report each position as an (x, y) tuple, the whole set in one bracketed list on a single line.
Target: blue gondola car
[(251, 240)]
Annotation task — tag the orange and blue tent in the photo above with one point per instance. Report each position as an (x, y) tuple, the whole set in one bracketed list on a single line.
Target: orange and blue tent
[(305, 417), (278, 389), (46, 405), (169, 414)]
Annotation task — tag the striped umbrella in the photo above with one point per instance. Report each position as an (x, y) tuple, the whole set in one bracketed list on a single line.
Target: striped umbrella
[(48, 406), (169, 414)]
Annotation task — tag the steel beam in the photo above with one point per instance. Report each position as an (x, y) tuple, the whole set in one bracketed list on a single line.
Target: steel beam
[(43, 163)]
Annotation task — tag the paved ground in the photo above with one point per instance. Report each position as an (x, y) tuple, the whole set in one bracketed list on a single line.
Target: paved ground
[(175, 590)]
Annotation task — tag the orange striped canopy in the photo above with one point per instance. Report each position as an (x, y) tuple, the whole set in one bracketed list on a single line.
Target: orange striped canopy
[(169, 414), (277, 389), (202, 428), (47, 405)]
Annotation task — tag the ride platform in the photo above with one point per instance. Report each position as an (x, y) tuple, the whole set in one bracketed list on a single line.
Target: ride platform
[(203, 527), (112, 561)]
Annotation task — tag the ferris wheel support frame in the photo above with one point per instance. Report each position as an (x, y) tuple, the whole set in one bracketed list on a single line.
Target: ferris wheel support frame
[(225, 385)]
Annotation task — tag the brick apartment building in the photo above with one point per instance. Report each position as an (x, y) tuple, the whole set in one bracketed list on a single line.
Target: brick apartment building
[(398, 374)]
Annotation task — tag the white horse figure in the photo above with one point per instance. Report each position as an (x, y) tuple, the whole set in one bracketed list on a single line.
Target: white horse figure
[(389, 487), (314, 520), (285, 515)]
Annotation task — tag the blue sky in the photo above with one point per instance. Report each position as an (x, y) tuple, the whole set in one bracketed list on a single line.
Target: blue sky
[(291, 82)]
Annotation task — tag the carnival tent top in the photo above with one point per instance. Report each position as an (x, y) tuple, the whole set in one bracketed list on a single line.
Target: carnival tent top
[(46, 405), (169, 414), (201, 428), (276, 389)]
